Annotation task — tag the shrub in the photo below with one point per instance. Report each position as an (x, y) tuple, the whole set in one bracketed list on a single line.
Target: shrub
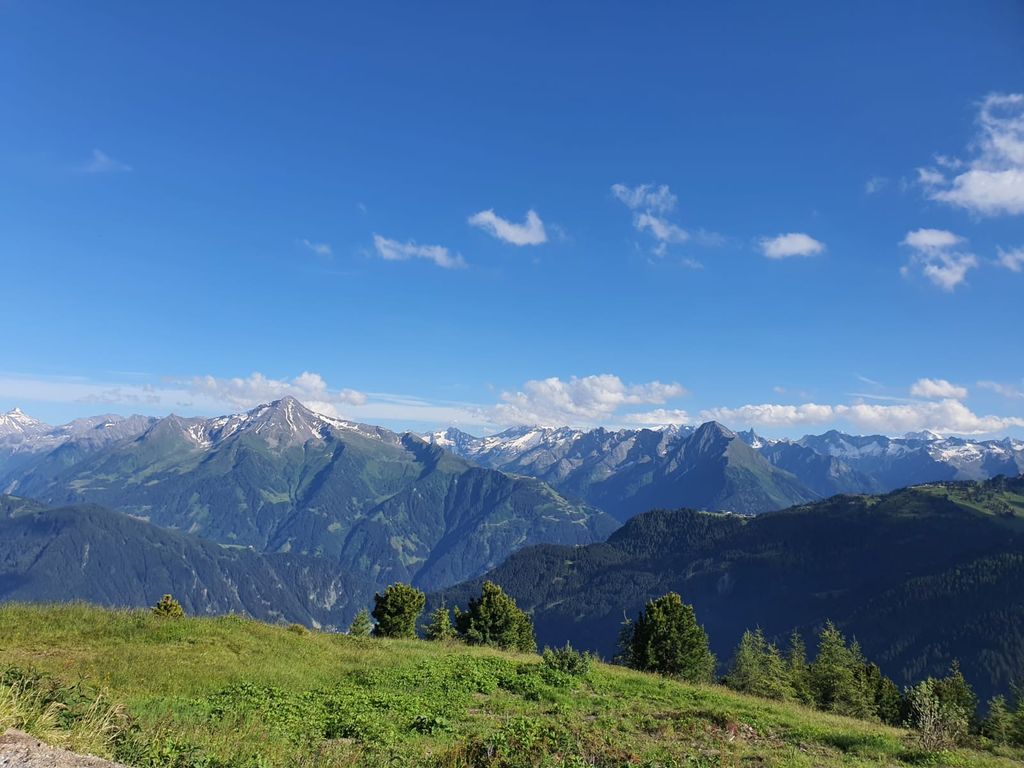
[(937, 723), (567, 660), (495, 619), (397, 609), (168, 608), (297, 629)]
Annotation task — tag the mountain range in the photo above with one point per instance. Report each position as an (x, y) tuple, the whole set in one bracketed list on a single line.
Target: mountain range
[(629, 471), (280, 478), (920, 576)]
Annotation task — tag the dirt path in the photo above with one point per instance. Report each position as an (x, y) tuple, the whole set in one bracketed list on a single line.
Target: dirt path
[(19, 750)]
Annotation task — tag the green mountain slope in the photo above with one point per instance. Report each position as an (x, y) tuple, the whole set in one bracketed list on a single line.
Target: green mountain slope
[(920, 576), (90, 553), (235, 693)]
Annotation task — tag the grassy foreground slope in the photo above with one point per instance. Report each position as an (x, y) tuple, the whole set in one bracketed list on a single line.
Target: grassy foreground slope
[(233, 692)]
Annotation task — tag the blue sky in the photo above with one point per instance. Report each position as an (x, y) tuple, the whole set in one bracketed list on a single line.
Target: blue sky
[(793, 216)]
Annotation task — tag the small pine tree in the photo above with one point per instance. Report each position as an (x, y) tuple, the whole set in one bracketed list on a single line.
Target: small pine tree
[(495, 619), (953, 690), (758, 669), (440, 628), (667, 639), (361, 625), (838, 681), (998, 723), (797, 670), (888, 703), (397, 609), (168, 608)]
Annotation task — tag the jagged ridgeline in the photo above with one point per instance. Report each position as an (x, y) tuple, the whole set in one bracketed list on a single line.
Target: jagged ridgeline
[(629, 471), (920, 576), (374, 505)]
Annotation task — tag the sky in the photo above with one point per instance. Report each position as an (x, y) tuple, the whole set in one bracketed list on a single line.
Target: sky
[(792, 216)]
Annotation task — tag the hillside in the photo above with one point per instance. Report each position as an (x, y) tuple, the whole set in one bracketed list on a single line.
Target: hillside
[(920, 576), (234, 693), (376, 505), (89, 553)]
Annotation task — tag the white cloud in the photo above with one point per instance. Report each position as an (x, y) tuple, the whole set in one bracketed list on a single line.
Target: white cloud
[(1012, 260), (393, 250), (255, 389), (101, 162), (937, 389), (1006, 390), (948, 416), (933, 252), (320, 249), (771, 415), (663, 230), (658, 417), (875, 185), (649, 204), (993, 183), (931, 238), (942, 416), (586, 399), (648, 197), (790, 244), (531, 232)]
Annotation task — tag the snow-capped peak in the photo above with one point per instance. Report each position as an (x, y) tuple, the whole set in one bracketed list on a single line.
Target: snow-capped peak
[(17, 423)]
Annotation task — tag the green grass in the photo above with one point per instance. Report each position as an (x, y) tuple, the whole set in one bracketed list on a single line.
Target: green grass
[(233, 692)]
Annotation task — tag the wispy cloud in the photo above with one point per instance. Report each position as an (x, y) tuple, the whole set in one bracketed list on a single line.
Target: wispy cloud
[(1012, 260), (393, 250), (101, 162), (645, 197), (875, 184), (1011, 391), (789, 245), (320, 249), (934, 252), (650, 205), (993, 182), (530, 232)]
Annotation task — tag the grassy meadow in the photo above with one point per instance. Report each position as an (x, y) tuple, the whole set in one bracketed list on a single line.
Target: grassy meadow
[(232, 693)]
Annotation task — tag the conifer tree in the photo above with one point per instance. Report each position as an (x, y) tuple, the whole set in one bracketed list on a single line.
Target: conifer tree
[(797, 669), (667, 639), (757, 668), (837, 678), (998, 723), (397, 609), (495, 619), (440, 628), (361, 625)]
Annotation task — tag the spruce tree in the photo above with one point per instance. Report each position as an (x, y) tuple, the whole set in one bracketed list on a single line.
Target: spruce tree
[(797, 669), (998, 723), (440, 628), (361, 625), (838, 680), (397, 609), (667, 639)]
